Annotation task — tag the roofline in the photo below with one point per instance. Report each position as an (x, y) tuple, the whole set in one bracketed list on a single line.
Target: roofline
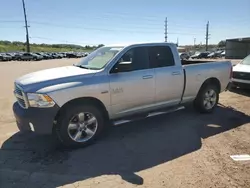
[(144, 43), (239, 39)]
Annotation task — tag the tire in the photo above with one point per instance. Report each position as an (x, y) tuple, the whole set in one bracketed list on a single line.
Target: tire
[(202, 100), (66, 117)]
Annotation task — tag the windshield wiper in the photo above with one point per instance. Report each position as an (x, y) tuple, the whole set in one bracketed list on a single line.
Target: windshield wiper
[(81, 66)]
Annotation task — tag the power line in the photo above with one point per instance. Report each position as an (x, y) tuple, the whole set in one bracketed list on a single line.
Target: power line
[(118, 17), (92, 28), (185, 26), (89, 28), (66, 41), (184, 33), (10, 21), (107, 15), (111, 30)]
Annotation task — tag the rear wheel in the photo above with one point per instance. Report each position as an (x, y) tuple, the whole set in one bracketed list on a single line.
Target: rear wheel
[(207, 98), (79, 125)]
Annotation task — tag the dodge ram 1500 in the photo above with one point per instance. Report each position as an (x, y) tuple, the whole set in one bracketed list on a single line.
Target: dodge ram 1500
[(75, 103)]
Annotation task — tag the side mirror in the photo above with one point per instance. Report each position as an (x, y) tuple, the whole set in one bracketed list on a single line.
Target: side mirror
[(122, 67), (115, 70)]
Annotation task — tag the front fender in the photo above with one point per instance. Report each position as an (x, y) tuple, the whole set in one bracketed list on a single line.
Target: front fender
[(74, 90)]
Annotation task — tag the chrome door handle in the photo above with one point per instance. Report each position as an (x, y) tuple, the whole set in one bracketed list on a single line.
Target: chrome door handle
[(176, 73), (147, 77)]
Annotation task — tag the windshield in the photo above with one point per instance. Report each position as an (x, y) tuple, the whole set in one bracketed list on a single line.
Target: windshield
[(99, 58), (246, 61)]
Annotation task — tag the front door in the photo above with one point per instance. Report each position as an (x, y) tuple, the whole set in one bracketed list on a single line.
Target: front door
[(132, 84)]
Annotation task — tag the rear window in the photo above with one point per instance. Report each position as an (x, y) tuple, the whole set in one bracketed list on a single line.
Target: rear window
[(160, 56)]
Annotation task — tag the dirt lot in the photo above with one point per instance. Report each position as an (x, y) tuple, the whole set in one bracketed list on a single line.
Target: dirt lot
[(181, 149)]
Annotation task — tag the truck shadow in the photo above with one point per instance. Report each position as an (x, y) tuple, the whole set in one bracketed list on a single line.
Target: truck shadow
[(124, 150), (240, 91)]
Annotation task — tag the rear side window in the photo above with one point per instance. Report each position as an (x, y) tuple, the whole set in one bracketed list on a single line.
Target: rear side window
[(160, 56)]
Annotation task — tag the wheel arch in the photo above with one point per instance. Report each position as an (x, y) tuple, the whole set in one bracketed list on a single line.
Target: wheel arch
[(213, 81), (83, 100)]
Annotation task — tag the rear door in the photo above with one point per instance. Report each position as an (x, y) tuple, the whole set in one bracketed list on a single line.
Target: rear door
[(132, 88), (169, 78)]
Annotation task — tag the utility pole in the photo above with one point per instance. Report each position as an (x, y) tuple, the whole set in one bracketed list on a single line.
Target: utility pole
[(166, 30), (194, 41), (26, 26), (207, 34)]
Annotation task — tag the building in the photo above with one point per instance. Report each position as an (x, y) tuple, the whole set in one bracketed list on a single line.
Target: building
[(181, 49), (237, 48)]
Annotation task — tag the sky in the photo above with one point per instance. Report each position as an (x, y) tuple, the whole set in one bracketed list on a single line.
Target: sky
[(88, 22)]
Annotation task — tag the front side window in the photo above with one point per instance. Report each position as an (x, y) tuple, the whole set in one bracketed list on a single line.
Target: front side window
[(133, 60), (99, 58)]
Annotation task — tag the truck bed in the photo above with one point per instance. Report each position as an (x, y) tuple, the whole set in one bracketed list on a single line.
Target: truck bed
[(196, 72), (189, 62)]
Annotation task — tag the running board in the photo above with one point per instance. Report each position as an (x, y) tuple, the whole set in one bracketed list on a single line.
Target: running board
[(119, 122)]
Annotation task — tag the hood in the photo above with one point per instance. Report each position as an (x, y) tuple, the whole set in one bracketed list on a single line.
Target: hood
[(241, 68), (48, 77)]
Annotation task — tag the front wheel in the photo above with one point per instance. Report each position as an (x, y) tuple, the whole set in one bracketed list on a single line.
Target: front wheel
[(207, 99), (79, 125)]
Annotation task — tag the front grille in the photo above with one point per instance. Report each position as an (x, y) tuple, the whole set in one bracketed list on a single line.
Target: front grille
[(18, 91), (241, 75), (20, 96)]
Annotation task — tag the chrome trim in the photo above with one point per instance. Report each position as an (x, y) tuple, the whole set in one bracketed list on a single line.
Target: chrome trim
[(21, 96)]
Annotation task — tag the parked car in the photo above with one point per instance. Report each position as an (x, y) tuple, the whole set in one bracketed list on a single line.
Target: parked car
[(184, 55), (223, 54), (18, 56), (49, 55), (61, 55), (216, 54), (5, 57), (55, 56), (30, 56), (43, 55), (241, 74), (71, 55), (12, 55), (85, 54), (76, 103), (200, 55)]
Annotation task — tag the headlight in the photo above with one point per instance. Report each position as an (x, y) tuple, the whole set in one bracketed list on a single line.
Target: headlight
[(40, 100)]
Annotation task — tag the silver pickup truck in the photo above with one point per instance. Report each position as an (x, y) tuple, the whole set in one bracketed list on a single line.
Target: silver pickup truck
[(115, 83)]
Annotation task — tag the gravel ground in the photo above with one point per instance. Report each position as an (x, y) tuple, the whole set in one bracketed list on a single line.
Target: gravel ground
[(181, 149)]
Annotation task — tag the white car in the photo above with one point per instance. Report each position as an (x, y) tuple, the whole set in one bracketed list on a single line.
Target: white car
[(241, 74)]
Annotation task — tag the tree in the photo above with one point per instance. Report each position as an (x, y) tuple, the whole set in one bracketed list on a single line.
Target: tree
[(5, 42), (100, 45), (222, 43), (87, 47)]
